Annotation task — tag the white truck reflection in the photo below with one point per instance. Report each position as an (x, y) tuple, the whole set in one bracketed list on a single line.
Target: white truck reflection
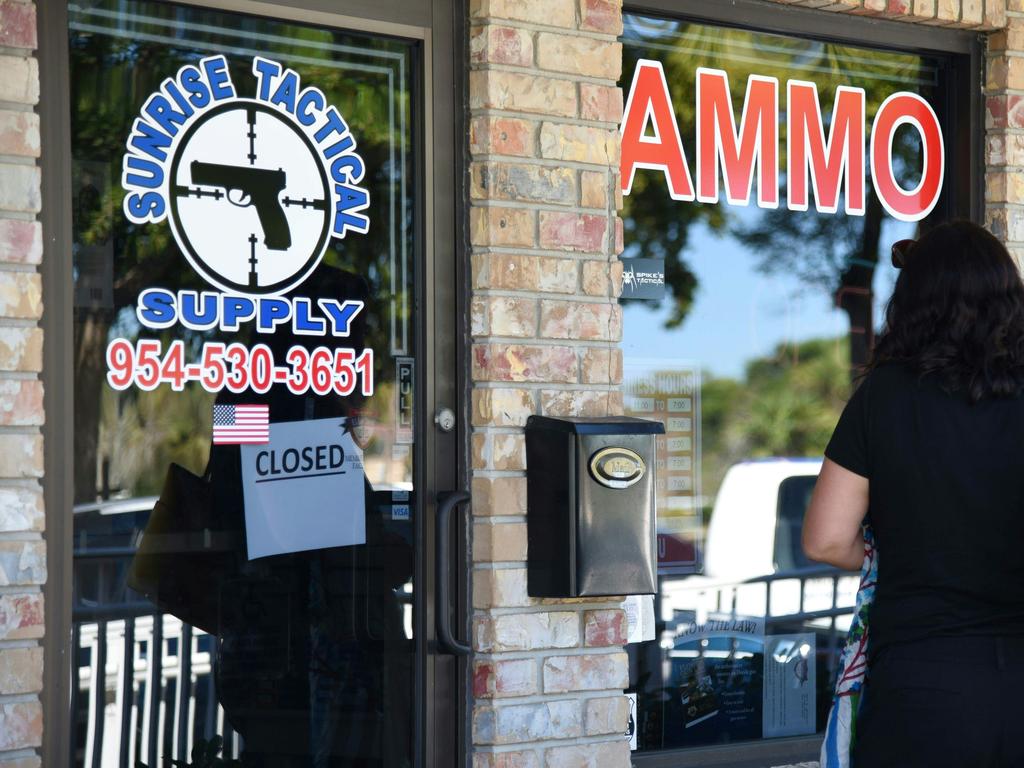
[(753, 563), (755, 572)]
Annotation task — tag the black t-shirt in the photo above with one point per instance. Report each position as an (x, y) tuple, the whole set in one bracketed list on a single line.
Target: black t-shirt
[(946, 488)]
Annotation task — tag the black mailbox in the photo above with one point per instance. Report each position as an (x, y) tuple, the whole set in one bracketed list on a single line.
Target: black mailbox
[(591, 525)]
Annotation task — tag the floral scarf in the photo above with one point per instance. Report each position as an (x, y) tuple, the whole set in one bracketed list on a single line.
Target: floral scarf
[(841, 730)]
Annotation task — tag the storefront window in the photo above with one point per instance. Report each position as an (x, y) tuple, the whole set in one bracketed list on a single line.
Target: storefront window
[(765, 179), (243, 242)]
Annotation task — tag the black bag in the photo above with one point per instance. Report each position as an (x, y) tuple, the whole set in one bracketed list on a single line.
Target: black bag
[(186, 553)]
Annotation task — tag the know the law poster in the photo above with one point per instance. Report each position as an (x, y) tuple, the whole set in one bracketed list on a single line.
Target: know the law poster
[(730, 681)]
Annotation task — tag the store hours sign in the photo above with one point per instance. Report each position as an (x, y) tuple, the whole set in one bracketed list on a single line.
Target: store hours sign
[(253, 187)]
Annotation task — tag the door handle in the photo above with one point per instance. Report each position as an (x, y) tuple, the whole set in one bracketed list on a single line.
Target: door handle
[(447, 502)]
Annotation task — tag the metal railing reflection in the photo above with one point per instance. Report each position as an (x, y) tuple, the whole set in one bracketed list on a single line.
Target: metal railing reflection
[(819, 598), (143, 683), (143, 689)]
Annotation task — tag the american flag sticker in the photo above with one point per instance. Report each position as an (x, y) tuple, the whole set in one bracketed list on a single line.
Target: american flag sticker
[(241, 424)]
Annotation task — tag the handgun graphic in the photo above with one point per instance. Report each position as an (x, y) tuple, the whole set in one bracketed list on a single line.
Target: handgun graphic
[(253, 186)]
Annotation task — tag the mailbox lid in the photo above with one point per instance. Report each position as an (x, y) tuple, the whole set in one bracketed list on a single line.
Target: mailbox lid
[(597, 425)]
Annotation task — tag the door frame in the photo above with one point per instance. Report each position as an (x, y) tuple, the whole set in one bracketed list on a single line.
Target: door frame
[(441, 688)]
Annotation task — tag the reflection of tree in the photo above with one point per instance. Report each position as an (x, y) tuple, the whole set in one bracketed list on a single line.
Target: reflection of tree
[(111, 77), (786, 405), (833, 251)]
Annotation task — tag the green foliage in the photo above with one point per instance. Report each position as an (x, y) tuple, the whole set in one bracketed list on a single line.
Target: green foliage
[(821, 249), (787, 404)]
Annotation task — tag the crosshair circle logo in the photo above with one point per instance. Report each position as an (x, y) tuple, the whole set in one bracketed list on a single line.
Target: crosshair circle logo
[(249, 199)]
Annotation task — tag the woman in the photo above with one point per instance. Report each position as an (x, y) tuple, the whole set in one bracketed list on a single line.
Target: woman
[(930, 449)]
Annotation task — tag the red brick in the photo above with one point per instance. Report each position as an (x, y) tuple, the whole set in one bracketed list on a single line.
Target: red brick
[(603, 628), (510, 677), (1004, 111), (502, 136), (601, 16), (21, 616), (17, 24), (21, 242), (483, 679), (492, 44), (573, 232), (520, 362)]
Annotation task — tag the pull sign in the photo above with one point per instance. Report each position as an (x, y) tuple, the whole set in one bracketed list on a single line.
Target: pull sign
[(617, 467)]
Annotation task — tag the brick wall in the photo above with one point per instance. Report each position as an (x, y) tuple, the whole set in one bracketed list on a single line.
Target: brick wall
[(545, 327), (1004, 131), (547, 675), (544, 103), (22, 549)]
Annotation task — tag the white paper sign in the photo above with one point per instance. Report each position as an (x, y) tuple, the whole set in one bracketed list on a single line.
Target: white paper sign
[(639, 618), (304, 490), (631, 726), (789, 685)]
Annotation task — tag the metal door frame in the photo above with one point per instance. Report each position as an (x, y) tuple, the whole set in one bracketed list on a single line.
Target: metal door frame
[(441, 687)]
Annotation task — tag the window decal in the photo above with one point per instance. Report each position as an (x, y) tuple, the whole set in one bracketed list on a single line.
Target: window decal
[(831, 163), (253, 188)]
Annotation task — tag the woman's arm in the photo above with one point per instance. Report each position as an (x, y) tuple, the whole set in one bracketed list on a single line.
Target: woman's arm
[(832, 527)]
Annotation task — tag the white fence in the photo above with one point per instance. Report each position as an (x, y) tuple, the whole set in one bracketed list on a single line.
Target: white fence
[(141, 713)]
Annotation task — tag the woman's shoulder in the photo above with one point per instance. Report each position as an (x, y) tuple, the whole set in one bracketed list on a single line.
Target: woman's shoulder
[(889, 374)]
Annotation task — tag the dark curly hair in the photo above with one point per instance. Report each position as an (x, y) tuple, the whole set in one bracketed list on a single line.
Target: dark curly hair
[(957, 313)]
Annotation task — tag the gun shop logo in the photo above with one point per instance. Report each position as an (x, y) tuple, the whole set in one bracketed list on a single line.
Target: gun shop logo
[(253, 188)]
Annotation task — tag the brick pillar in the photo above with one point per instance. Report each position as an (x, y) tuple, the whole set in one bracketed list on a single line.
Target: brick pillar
[(22, 549), (548, 674), (975, 14), (1004, 131)]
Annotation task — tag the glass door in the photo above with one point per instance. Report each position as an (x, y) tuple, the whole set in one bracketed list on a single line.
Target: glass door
[(250, 478)]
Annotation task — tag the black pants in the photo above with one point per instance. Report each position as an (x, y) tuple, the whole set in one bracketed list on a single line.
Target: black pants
[(944, 702)]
